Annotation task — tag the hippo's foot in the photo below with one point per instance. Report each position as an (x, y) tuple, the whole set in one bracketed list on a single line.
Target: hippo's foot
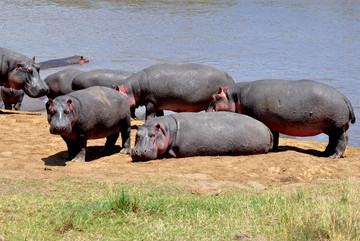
[(80, 157), (336, 147), (125, 151)]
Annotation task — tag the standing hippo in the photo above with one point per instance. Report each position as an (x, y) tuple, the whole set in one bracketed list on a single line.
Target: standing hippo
[(19, 72), (60, 83), (296, 108), (176, 87), (55, 63), (12, 98), (201, 134), (92, 113)]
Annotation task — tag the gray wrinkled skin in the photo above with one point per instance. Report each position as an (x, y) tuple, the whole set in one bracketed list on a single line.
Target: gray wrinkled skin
[(60, 83), (296, 108), (19, 72), (92, 113), (100, 77), (175, 87), (201, 134)]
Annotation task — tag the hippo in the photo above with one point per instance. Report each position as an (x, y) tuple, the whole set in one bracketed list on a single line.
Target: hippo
[(200, 134), (176, 87), (19, 72), (60, 83), (100, 77), (12, 98), (55, 63), (92, 113), (295, 108)]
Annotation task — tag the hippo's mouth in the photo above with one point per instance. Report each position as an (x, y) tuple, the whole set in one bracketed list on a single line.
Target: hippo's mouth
[(137, 155)]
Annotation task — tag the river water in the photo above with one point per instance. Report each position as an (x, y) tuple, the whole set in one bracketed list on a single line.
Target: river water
[(250, 39)]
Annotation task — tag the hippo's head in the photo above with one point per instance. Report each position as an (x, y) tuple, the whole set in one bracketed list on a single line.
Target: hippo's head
[(26, 76), (61, 116), (152, 141), (221, 101), (83, 60)]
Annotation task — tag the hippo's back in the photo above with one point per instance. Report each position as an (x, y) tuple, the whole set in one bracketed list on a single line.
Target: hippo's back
[(100, 77), (283, 104), (184, 87)]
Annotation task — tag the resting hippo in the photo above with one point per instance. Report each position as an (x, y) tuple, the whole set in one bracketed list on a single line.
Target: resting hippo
[(201, 134), (176, 87), (296, 108), (60, 83), (54, 63), (92, 113), (12, 98), (100, 77), (19, 72)]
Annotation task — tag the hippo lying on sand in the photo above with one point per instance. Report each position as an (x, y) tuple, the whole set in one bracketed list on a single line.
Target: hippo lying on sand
[(92, 113), (296, 108), (175, 87), (19, 72), (201, 134)]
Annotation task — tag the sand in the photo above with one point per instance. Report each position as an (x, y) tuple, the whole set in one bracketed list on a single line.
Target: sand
[(30, 152)]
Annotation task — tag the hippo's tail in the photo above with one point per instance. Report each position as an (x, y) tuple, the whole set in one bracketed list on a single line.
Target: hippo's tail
[(351, 111)]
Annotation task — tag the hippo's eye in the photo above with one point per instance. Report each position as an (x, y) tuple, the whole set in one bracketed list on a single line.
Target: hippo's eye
[(52, 111), (152, 135), (67, 111)]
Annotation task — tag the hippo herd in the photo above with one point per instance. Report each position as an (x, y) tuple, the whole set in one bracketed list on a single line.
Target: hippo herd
[(240, 118)]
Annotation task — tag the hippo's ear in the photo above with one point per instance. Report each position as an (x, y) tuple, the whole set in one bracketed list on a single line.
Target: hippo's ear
[(50, 102), (159, 127), (33, 59), (70, 103), (214, 98)]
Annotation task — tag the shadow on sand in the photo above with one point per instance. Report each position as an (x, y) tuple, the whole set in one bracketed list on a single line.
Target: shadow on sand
[(92, 153), (301, 150)]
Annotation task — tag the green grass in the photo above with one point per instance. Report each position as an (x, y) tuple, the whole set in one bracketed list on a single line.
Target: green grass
[(76, 209)]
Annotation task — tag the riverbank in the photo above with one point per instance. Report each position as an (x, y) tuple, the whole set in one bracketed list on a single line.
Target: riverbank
[(30, 152)]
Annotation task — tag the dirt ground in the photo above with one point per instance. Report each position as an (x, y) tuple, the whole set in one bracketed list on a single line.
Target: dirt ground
[(28, 151)]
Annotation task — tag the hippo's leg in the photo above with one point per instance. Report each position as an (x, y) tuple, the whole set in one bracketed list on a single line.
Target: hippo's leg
[(17, 106), (7, 106), (275, 140), (132, 113), (71, 145), (160, 113), (337, 145), (150, 111), (125, 137), (76, 148), (110, 143)]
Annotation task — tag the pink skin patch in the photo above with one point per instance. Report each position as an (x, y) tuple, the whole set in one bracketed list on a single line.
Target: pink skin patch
[(221, 101), (161, 139), (125, 91), (83, 60)]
